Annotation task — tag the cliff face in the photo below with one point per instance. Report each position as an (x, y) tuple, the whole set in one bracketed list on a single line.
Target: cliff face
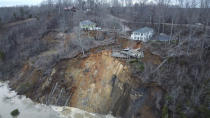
[(97, 81), (94, 83), (102, 84), (50, 74)]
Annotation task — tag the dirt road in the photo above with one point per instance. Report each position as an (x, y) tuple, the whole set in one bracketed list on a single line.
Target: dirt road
[(125, 28)]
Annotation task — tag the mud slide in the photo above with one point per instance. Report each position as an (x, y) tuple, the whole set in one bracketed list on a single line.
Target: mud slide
[(96, 82)]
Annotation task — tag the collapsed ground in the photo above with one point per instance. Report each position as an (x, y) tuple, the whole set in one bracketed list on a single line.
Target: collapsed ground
[(172, 80)]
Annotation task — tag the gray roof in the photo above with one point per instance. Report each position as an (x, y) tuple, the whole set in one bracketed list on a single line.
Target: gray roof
[(143, 30), (163, 37), (87, 22)]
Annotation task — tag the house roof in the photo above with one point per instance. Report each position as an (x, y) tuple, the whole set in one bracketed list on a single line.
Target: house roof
[(163, 37), (143, 30), (87, 22)]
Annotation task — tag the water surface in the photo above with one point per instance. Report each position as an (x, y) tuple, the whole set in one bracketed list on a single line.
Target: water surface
[(9, 101)]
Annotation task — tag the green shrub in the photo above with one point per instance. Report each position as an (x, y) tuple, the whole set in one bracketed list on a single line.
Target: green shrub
[(22, 13), (179, 110), (15, 113), (203, 111), (30, 16), (182, 115), (174, 41), (165, 111), (141, 66), (14, 16), (137, 64), (133, 61), (183, 62), (171, 59), (168, 98), (24, 87), (2, 55), (0, 22), (37, 17)]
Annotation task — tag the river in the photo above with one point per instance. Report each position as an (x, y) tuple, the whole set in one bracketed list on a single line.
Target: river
[(9, 100)]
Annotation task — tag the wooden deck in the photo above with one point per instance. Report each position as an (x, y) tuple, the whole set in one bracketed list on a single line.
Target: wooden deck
[(132, 53)]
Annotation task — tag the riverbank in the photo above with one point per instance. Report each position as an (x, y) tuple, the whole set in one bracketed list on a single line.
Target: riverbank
[(10, 100)]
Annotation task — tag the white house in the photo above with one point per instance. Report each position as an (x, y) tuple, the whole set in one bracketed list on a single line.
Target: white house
[(89, 25), (143, 34)]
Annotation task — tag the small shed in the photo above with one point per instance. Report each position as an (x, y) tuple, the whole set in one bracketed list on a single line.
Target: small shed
[(163, 37)]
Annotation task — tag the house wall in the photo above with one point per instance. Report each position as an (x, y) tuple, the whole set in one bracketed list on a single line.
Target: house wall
[(88, 27), (141, 36)]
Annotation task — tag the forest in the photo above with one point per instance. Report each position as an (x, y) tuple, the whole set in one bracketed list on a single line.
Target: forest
[(47, 56)]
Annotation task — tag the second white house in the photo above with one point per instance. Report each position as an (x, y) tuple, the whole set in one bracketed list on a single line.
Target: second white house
[(142, 34)]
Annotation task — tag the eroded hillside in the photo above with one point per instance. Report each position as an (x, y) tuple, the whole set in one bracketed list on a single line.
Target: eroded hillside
[(94, 83), (52, 61)]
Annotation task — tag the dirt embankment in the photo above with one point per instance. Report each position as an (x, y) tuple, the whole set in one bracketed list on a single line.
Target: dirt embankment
[(97, 83), (19, 22), (126, 43), (94, 83)]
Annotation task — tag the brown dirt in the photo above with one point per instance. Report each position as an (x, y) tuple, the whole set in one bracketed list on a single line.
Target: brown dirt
[(92, 77), (50, 36), (19, 22), (151, 58), (126, 43), (28, 79), (95, 33)]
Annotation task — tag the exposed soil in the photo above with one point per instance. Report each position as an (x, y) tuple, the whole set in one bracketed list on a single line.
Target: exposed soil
[(126, 43), (96, 82)]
